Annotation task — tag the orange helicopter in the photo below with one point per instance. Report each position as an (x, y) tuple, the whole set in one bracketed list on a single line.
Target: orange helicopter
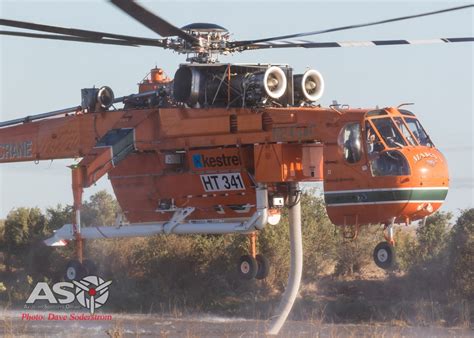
[(221, 148)]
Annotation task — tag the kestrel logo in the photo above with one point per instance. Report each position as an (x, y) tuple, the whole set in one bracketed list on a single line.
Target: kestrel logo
[(197, 160), (91, 292), (202, 161)]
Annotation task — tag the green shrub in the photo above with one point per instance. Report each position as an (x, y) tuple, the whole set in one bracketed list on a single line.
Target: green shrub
[(461, 259), (432, 235), (406, 248)]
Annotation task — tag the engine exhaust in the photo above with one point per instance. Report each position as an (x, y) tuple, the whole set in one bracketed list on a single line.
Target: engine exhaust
[(309, 87)]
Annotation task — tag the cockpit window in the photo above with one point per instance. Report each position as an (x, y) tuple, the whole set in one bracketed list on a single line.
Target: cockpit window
[(389, 163), (406, 112), (350, 143), (389, 132), (418, 131), (404, 129), (374, 145)]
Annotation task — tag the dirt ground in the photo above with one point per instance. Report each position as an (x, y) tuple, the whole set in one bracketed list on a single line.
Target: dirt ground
[(207, 326)]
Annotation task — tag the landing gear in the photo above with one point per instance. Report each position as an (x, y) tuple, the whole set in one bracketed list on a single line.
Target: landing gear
[(74, 270), (253, 265), (384, 255), (263, 267), (247, 267), (384, 252)]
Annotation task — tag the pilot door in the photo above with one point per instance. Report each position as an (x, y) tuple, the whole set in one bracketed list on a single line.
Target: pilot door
[(346, 174)]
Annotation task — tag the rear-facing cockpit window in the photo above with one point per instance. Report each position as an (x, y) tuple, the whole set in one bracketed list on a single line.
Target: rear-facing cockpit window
[(418, 132), (389, 132), (389, 163), (349, 141)]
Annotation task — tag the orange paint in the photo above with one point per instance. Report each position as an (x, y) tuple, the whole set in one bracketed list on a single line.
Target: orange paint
[(246, 146)]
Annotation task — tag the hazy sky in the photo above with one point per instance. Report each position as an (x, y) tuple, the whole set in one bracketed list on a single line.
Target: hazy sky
[(40, 75)]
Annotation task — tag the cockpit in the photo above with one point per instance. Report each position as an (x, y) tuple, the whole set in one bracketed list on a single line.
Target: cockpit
[(383, 136)]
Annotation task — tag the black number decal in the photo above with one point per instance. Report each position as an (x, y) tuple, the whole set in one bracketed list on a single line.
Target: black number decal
[(234, 182), (226, 182), (240, 181)]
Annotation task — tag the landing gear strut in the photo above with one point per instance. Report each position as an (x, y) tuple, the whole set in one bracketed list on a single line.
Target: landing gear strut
[(78, 268), (253, 265), (384, 253)]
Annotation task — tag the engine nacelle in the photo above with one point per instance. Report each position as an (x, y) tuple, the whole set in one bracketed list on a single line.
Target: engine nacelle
[(97, 99), (235, 85), (105, 97), (271, 83), (188, 85), (309, 87)]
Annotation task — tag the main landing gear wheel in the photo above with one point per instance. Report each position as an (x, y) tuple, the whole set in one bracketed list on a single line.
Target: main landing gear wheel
[(247, 267), (384, 255), (263, 267), (74, 270)]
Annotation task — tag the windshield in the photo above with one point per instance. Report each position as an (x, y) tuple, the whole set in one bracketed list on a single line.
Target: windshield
[(404, 129), (418, 131), (389, 132)]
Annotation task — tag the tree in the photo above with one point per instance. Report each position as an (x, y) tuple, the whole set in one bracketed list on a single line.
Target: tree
[(320, 238), (100, 210), (59, 216), (432, 236), (22, 227), (2, 235), (406, 248), (462, 254)]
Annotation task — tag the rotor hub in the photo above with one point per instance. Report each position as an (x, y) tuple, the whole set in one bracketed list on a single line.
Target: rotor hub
[(212, 41)]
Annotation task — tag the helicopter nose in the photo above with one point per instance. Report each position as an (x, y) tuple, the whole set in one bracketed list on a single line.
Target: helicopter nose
[(430, 177)]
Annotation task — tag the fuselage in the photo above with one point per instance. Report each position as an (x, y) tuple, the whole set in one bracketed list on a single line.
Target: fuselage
[(376, 164)]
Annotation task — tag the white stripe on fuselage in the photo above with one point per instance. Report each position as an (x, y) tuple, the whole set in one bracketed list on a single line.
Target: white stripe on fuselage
[(384, 189), (382, 202)]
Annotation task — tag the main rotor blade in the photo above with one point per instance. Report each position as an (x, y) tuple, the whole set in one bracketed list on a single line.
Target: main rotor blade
[(152, 21), (372, 43), (74, 31), (336, 29), (69, 38)]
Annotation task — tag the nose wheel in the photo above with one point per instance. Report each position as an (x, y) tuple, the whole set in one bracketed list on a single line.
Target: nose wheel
[(253, 265), (384, 252), (384, 255)]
